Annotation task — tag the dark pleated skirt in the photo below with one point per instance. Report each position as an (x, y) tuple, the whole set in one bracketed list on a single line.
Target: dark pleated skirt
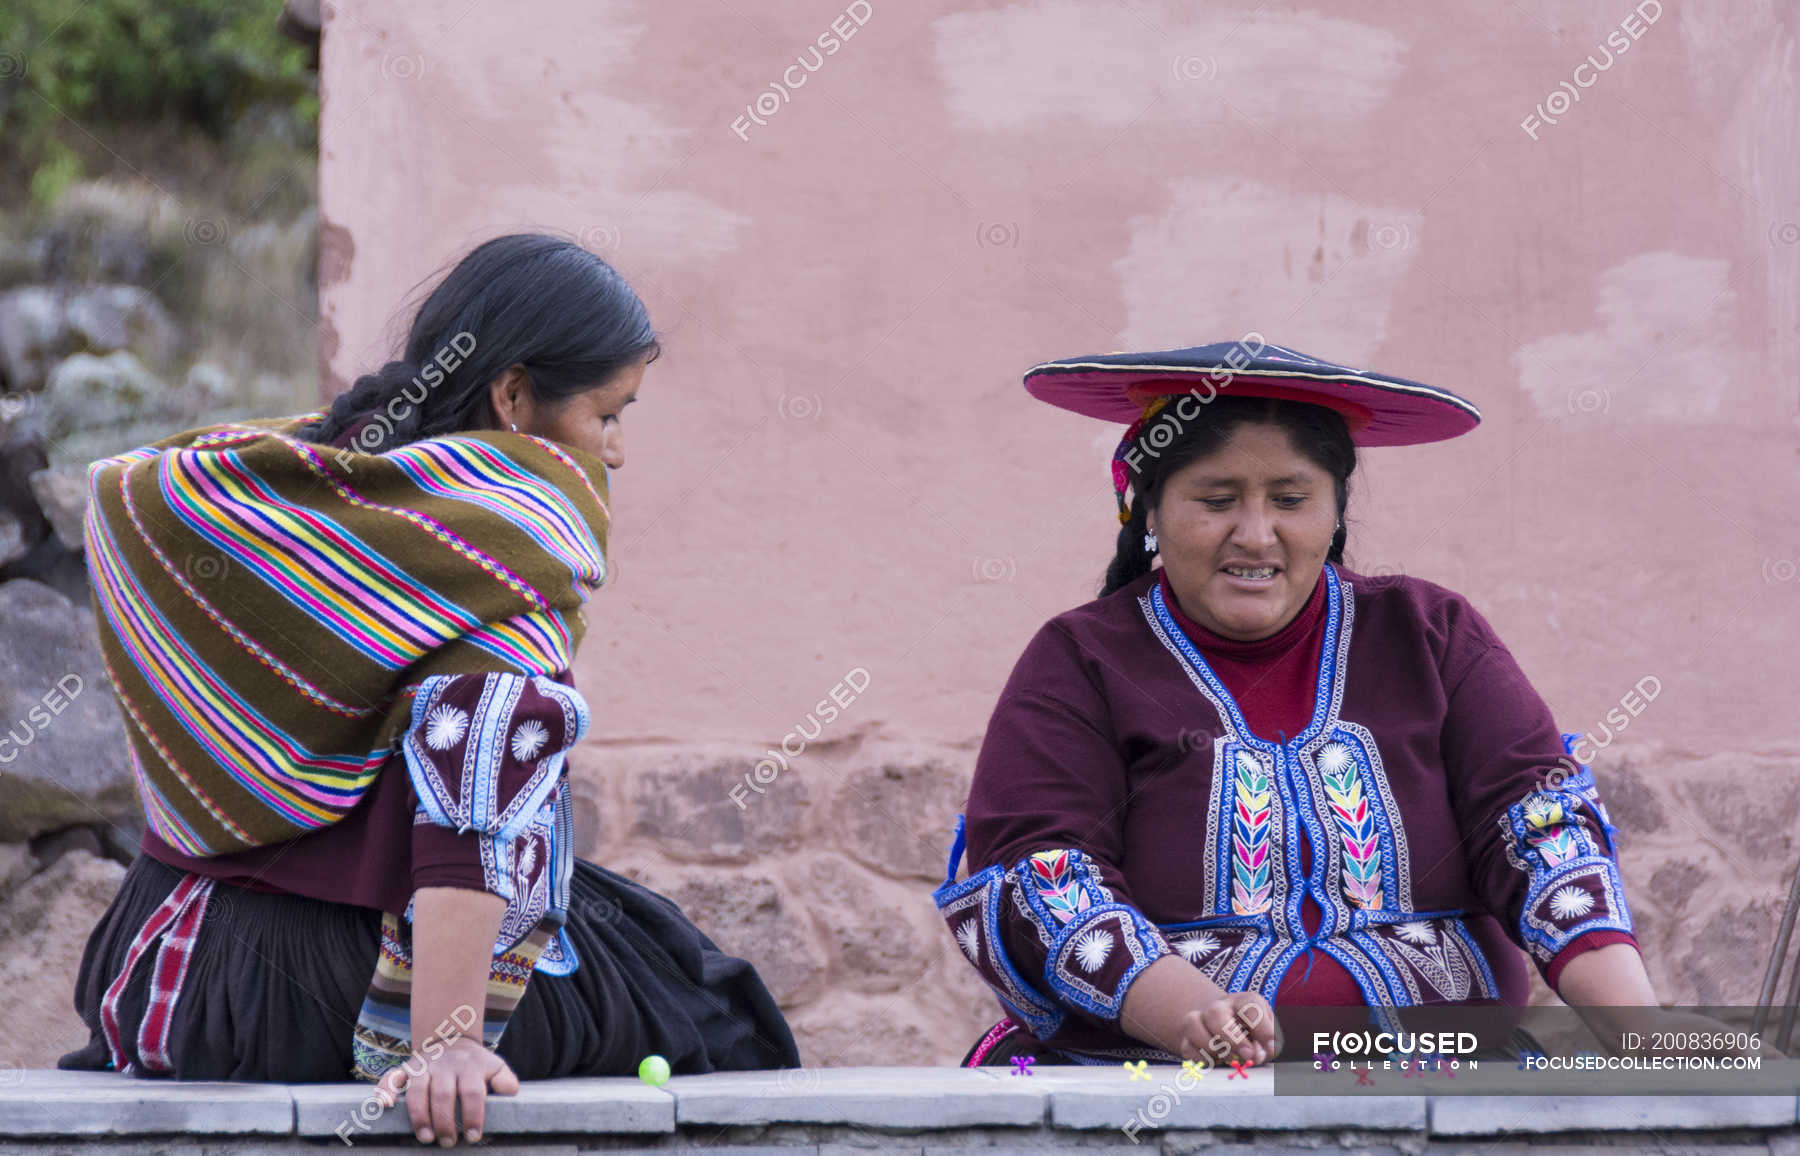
[(276, 982)]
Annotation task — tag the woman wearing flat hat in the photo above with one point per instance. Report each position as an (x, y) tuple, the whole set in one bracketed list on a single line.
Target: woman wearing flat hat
[(1250, 777)]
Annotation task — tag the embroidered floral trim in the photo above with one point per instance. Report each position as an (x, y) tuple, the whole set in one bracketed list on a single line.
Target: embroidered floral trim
[(1057, 887), (1251, 879), (1355, 824)]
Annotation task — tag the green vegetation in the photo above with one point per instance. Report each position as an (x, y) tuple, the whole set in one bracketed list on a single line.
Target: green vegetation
[(69, 70)]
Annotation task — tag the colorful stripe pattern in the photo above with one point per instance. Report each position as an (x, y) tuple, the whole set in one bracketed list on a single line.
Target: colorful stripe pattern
[(267, 606)]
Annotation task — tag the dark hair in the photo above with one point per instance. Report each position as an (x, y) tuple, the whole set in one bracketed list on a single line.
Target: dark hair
[(1317, 432), (542, 303)]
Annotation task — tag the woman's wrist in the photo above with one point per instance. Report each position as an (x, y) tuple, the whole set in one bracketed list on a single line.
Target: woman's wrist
[(1160, 997), (453, 949)]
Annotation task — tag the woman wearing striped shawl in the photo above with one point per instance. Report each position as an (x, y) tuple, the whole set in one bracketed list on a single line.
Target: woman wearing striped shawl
[(342, 646)]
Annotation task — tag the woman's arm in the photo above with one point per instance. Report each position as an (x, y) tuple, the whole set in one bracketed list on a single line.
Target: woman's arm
[(1610, 976), (1609, 987), (453, 932), (453, 948), (1612, 992)]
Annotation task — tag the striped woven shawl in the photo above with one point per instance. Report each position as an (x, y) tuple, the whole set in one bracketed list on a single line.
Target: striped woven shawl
[(266, 606)]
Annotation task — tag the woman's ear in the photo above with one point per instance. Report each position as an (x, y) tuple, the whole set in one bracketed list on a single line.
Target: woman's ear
[(509, 395)]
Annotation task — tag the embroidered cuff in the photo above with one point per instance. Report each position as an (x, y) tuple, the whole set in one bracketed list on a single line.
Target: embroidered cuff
[(1578, 897), (974, 910), (486, 756), (1574, 885), (1097, 946)]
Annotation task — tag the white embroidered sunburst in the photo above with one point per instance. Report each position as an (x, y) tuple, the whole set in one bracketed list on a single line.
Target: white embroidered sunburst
[(1197, 946), (529, 739), (967, 938), (445, 726), (1092, 948), (1416, 931), (1570, 902), (1333, 758)]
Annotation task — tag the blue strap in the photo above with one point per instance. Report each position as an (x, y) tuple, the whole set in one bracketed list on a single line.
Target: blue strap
[(956, 853)]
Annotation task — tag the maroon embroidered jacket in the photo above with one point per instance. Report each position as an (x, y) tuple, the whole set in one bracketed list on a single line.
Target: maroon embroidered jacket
[(1123, 808)]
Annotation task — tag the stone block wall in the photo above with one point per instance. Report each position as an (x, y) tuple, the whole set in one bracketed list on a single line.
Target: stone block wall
[(822, 878)]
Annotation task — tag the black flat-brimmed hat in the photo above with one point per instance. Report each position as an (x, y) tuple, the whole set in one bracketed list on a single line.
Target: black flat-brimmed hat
[(1132, 387)]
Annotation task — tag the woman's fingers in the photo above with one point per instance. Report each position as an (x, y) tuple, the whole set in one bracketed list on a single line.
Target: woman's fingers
[(1225, 1035), (1258, 1017), (473, 1095), (501, 1078), (418, 1104), (389, 1087), (460, 1078), (1237, 1028), (443, 1106)]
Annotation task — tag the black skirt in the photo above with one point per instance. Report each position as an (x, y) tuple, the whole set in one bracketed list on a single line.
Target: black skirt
[(276, 981)]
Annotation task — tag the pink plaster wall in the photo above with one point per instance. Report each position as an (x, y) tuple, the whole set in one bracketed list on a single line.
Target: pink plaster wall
[(834, 465)]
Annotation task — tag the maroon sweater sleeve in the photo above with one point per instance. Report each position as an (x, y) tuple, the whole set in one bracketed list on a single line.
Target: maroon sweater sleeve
[(486, 757), (1540, 846), (1046, 916)]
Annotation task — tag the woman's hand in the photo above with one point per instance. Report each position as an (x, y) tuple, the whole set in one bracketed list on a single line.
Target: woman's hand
[(441, 1077), (1172, 1005), (453, 944), (1237, 1027)]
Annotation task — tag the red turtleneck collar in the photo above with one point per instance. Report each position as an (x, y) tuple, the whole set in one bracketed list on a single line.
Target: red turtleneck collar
[(1304, 623)]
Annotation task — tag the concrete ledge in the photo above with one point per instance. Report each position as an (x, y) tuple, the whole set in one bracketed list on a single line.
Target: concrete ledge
[(1500, 1115), (866, 1097), (614, 1105), (1105, 1098), (52, 1103), (873, 1110)]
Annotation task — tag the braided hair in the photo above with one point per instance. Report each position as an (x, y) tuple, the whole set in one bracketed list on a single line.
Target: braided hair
[(541, 303), (1318, 433)]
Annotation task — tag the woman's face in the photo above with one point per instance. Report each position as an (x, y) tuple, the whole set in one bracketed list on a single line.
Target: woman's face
[(592, 421), (1255, 503)]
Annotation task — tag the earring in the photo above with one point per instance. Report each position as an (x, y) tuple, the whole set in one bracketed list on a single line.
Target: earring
[(513, 426), (1150, 542)]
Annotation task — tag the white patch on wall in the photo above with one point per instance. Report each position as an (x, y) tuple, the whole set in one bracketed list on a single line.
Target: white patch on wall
[(1716, 36), (1042, 63), (1317, 272), (1758, 150), (1662, 345), (574, 142)]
